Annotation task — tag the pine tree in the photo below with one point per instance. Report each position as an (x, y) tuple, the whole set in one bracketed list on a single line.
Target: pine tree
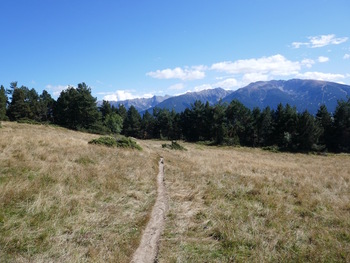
[(342, 126), (19, 107), (105, 109), (76, 109), (324, 121), (46, 105), (148, 126), (32, 98), (266, 127), (308, 132), (3, 103), (219, 123), (239, 120), (114, 122), (285, 119), (193, 122), (132, 123)]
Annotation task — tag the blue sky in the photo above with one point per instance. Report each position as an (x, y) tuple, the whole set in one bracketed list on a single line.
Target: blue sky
[(126, 48)]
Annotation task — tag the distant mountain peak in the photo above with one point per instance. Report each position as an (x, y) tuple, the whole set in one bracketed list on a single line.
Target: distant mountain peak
[(305, 94)]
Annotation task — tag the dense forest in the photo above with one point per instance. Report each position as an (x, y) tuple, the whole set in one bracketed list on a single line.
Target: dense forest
[(221, 124)]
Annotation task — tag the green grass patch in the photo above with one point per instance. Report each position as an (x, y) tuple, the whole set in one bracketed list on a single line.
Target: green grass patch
[(174, 146), (121, 142), (104, 140), (126, 142)]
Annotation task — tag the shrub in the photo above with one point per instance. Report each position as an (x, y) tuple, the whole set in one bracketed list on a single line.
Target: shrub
[(121, 142), (272, 148), (105, 140), (174, 146), (126, 142)]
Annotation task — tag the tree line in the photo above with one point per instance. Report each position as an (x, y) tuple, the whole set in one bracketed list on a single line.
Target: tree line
[(222, 124)]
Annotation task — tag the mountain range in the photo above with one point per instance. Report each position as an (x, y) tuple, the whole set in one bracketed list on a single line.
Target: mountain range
[(303, 94), (141, 104)]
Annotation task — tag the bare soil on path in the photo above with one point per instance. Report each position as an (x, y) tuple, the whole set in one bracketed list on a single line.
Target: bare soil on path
[(149, 245)]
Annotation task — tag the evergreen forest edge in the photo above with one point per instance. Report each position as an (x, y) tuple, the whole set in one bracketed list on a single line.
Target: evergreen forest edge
[(222, 124)]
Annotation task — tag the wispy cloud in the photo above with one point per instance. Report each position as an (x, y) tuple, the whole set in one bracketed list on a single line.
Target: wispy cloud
[(321, 76), (203, 87), (253, 77), (119, 95), (230, 83), (276, 65), (321, 41), (193, 73), (56, 89), (235, 74), (307, 62), (323, 59), (299, 44)]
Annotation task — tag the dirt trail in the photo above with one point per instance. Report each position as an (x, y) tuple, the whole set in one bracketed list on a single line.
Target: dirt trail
[(148, 248)]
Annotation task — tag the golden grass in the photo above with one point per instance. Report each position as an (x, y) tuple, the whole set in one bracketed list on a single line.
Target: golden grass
[(249, 205), (64, 200)]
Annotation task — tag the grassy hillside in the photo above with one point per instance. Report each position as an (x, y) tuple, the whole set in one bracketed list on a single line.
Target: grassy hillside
[(64, 200), (249, 205)]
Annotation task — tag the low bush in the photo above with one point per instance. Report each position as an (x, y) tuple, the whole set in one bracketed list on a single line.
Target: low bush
[(174, 146), (272, 148), (105, 140), (121, 142), (126, 142)]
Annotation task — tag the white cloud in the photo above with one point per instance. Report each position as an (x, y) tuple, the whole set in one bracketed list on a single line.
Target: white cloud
[(325, 40), (321, 76), (321, 41), (323, 59), (56, 89), (119, 95), (147, 95), (346, 56), (203, 87), (253, 77), (276, 65), (307, 62), (299, 44), (196, 72), (178, 86), (229, 83)]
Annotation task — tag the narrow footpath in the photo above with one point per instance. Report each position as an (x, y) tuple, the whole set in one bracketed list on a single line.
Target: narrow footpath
[(148, 249)]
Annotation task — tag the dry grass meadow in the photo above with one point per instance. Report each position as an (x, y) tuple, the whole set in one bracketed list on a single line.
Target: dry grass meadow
[(63, 200), (249, 205)]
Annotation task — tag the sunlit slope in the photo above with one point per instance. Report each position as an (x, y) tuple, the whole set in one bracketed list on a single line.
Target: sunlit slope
[(249, 205), (64, 200)]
